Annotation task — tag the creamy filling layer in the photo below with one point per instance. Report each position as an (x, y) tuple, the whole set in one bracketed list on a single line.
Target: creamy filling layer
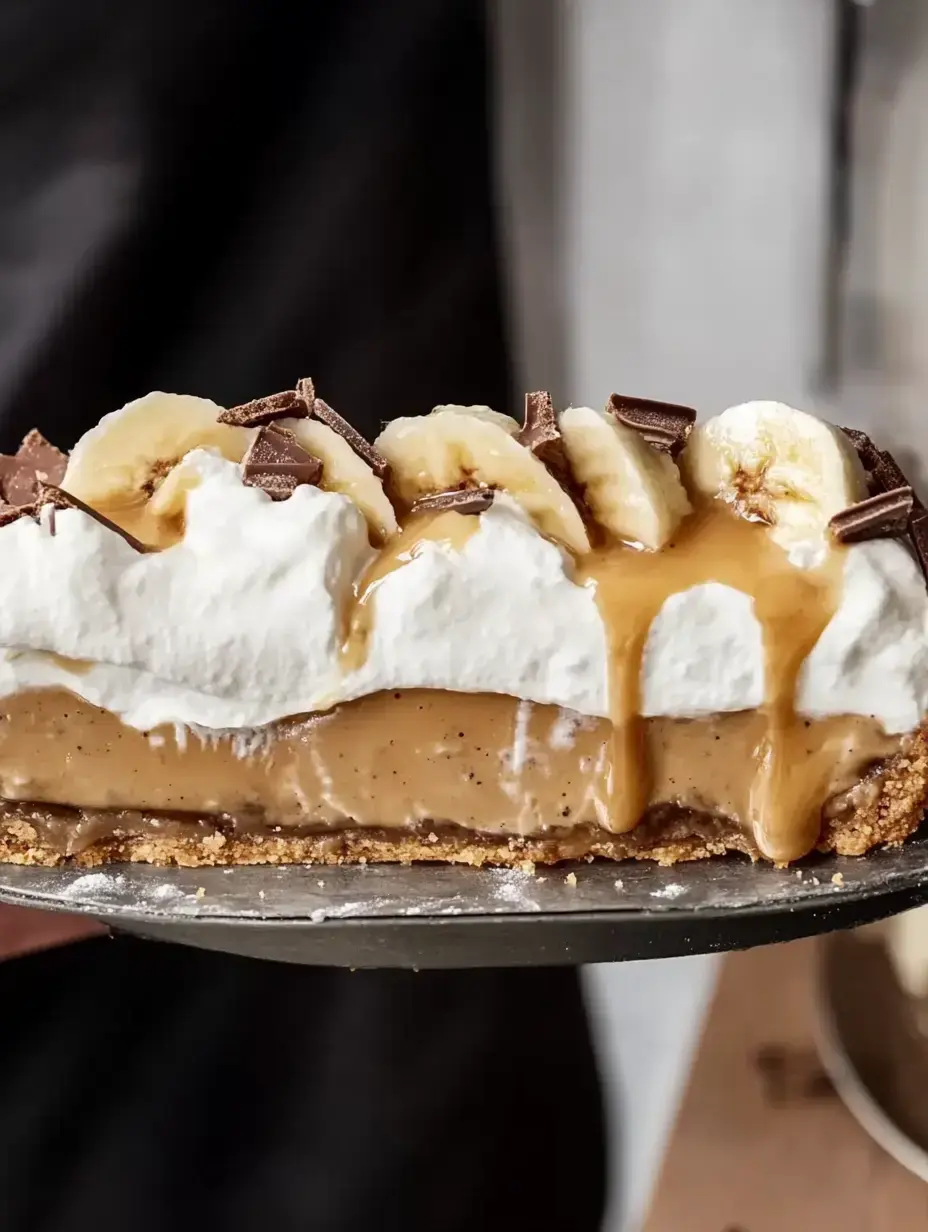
[(400, 760)]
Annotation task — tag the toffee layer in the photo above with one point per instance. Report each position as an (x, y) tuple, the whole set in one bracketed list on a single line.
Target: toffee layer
[(422, 775)]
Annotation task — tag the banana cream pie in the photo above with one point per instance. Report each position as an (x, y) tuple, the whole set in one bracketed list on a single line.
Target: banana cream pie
[(250, 635)]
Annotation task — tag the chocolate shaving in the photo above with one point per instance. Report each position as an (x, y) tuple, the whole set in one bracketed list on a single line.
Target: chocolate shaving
[(12, 513), (277, 463), (887, 474), (918, 533), (866, 450), (36, 461), (58, 498), (306, 390), (540, 433), (877, 517), (884, 474), (363, 448), (289, 404), (460, 500), (664, 425)]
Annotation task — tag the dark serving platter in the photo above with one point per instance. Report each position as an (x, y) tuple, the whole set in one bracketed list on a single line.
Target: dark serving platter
[(448, 916)]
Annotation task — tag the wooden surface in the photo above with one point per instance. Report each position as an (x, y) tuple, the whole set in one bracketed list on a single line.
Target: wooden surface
[(762, 1143)]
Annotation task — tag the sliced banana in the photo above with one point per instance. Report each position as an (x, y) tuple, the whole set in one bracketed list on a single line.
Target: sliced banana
[(632, 490), (485, 413), (344, 471), (123, 466), (776, 465), (476, 447)]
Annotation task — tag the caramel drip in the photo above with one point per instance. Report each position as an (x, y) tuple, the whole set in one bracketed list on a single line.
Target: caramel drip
[(77, 667), (136, 516), (793, 606), (448, 528)]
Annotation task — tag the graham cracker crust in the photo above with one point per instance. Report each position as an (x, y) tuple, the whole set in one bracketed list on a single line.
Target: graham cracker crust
[(883, 809)]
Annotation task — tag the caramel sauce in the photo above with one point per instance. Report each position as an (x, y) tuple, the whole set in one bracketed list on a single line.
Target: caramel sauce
[(448, 528), (793, 607), (139, 519), (77, 667), (486, 763)]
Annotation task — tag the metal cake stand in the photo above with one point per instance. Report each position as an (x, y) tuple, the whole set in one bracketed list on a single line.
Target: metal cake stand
[(448, 916)]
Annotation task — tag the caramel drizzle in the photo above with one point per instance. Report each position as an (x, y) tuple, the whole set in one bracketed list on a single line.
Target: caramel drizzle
[(793, 759), (448, 527), (792, 606)]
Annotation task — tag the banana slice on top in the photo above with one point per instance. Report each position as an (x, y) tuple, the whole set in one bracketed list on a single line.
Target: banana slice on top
[(776, 465), (632, 490), (464, 446), (122, 467), (346, 472)]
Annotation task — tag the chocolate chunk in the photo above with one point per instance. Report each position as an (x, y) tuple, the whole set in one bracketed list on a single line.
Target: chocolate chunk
[(460, 500), (277, 463), (866, 450), (289, 404), (12, 513), (307, 391), (887, 474), (664, 425), (541, 434), (36, 461), (918, 532), (878, 517), (884, 473), (363, 448), (50, 494)]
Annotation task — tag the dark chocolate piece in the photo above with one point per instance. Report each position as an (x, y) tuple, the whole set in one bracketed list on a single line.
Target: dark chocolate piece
[(289, 404), (664, 425), (460, 500), (918, 533), (363, 448), (36, 461), (58, 498), (878, 517), (278, 463), (541, 434), (887, 474), (306, 389), (866, 450), (12, 513)]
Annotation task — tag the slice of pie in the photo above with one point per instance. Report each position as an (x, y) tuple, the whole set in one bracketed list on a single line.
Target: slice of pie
[(249, 635)]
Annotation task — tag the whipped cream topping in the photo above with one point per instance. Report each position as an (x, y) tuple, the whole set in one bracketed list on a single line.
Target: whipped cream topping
[(500, 615), (704, 655), (234, 626), (241, 622), (872, 658)]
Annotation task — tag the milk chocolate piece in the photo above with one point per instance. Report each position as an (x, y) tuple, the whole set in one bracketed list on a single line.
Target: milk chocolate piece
[(278, 464), (289, 404), (877, 517), (866, 450), (363, 448), (36, 461), (541, 434), (58, 498), (664, 425), (459, 500), (12, 513), (918, 533), (887, 474)]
